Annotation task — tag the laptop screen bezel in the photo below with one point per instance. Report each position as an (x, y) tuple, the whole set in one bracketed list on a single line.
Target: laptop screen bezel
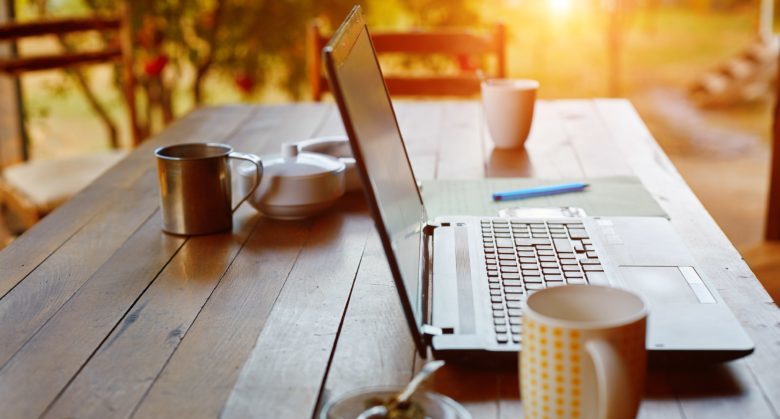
[(334, 54)]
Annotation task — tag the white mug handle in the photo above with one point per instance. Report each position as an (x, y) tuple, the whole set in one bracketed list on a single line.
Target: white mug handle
[(611, 381), (258, 172)]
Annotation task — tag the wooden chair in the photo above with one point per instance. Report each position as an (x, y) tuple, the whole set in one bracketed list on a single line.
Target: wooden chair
[(32, 189), (764, 258), (460, 44)]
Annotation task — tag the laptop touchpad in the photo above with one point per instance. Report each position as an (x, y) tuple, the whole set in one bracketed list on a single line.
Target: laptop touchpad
[(666, 284)]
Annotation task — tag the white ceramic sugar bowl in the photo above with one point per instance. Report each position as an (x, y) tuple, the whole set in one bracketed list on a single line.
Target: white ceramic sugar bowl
[(295, 184)]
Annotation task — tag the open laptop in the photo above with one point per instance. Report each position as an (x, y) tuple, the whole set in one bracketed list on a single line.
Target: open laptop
[(462, 279)]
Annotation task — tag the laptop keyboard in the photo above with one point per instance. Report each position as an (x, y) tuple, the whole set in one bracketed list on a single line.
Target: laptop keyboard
[(523, 256)]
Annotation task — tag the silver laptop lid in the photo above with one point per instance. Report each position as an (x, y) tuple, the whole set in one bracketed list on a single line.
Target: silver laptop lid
[(388, 180)]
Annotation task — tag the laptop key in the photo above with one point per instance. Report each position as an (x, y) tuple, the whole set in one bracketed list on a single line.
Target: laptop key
[(495, 292), (516, 338), (550, 271), (501, 329), (555, 284), (591, 255), (532, 286), (504, 243), (514, 312), (512, 269), (498, 313), (499, 321), (562, 246), (577, 233), (515, 329), (513, 290), (513, 283), (597, 278), (514, 304), (515, 321), (592, 268), (505, 262), (553, 278), (576, 281), (534, 272), (510, 275), (572, 274), (532, 279), (589, 261), (506, 251), (492, 272), (498, 306), (494, 286), (502, 338), (496, 299), (568, 268), (545, 253), (513, 297), (506, 256)]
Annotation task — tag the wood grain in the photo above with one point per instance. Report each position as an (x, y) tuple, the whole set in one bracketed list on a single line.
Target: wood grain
[(282, 376), (49, 235), (176, 297), (279, 318)]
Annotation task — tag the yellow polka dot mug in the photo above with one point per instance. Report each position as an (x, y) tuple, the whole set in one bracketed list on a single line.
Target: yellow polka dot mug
[(583, 353)]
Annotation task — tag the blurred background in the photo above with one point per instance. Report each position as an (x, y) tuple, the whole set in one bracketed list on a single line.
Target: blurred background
[(700, 72)]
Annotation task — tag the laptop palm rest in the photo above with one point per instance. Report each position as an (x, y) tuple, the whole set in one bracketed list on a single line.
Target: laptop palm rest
[(453, 296), (670, 284)]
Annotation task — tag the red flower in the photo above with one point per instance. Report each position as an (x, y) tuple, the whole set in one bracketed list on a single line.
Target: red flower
[(155, 66), (244, 82)]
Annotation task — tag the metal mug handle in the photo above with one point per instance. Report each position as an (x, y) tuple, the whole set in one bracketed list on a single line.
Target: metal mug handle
[(258, 174)]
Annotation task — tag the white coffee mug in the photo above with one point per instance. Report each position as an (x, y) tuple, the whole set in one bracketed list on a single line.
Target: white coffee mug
[(509, 109), (583, 353)]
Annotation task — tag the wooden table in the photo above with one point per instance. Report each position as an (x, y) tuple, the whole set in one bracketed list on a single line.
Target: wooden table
[(102, 315)]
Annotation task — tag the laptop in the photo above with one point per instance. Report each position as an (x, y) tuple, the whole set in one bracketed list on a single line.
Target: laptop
[(462, 279)]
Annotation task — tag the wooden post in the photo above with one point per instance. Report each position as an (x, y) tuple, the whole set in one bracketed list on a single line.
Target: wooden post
[(766, 18), (614, 44), (12, 148), (773, 211)]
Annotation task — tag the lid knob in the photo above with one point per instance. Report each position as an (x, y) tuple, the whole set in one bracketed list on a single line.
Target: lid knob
[(289, 150)]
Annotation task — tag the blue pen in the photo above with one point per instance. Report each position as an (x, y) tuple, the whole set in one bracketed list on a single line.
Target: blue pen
[(539, 191)]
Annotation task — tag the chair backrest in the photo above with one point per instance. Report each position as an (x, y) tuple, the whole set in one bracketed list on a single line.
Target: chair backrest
[(118, 50), (773, 210), (461, 44)]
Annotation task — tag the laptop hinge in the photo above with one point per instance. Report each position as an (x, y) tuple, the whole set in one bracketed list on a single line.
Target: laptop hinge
[(427, 275), (429, 331)]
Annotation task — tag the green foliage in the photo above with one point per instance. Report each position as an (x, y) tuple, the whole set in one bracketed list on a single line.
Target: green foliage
[(253, 42)]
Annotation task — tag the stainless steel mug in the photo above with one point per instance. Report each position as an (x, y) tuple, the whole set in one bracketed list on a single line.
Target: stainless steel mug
[(195, 187)]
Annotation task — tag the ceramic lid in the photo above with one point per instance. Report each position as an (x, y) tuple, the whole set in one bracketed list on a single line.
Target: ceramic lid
[(292, 163)]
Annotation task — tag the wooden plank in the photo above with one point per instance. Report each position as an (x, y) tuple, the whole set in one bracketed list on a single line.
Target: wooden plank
[(713, 252), (49, 62), (222, 336), (590, 139), (32, 378), (460, 144), (54, 26), (375, 347), (31, 303), (172, 302), (282, 376), (120, 372), (37, 244), (773, 205), (433, 42), (461, 85)]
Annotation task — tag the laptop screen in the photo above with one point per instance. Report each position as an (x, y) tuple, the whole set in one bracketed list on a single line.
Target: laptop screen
[(380, 151)]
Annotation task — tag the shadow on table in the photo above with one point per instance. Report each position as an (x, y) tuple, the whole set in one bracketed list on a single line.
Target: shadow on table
[(509, 163)]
